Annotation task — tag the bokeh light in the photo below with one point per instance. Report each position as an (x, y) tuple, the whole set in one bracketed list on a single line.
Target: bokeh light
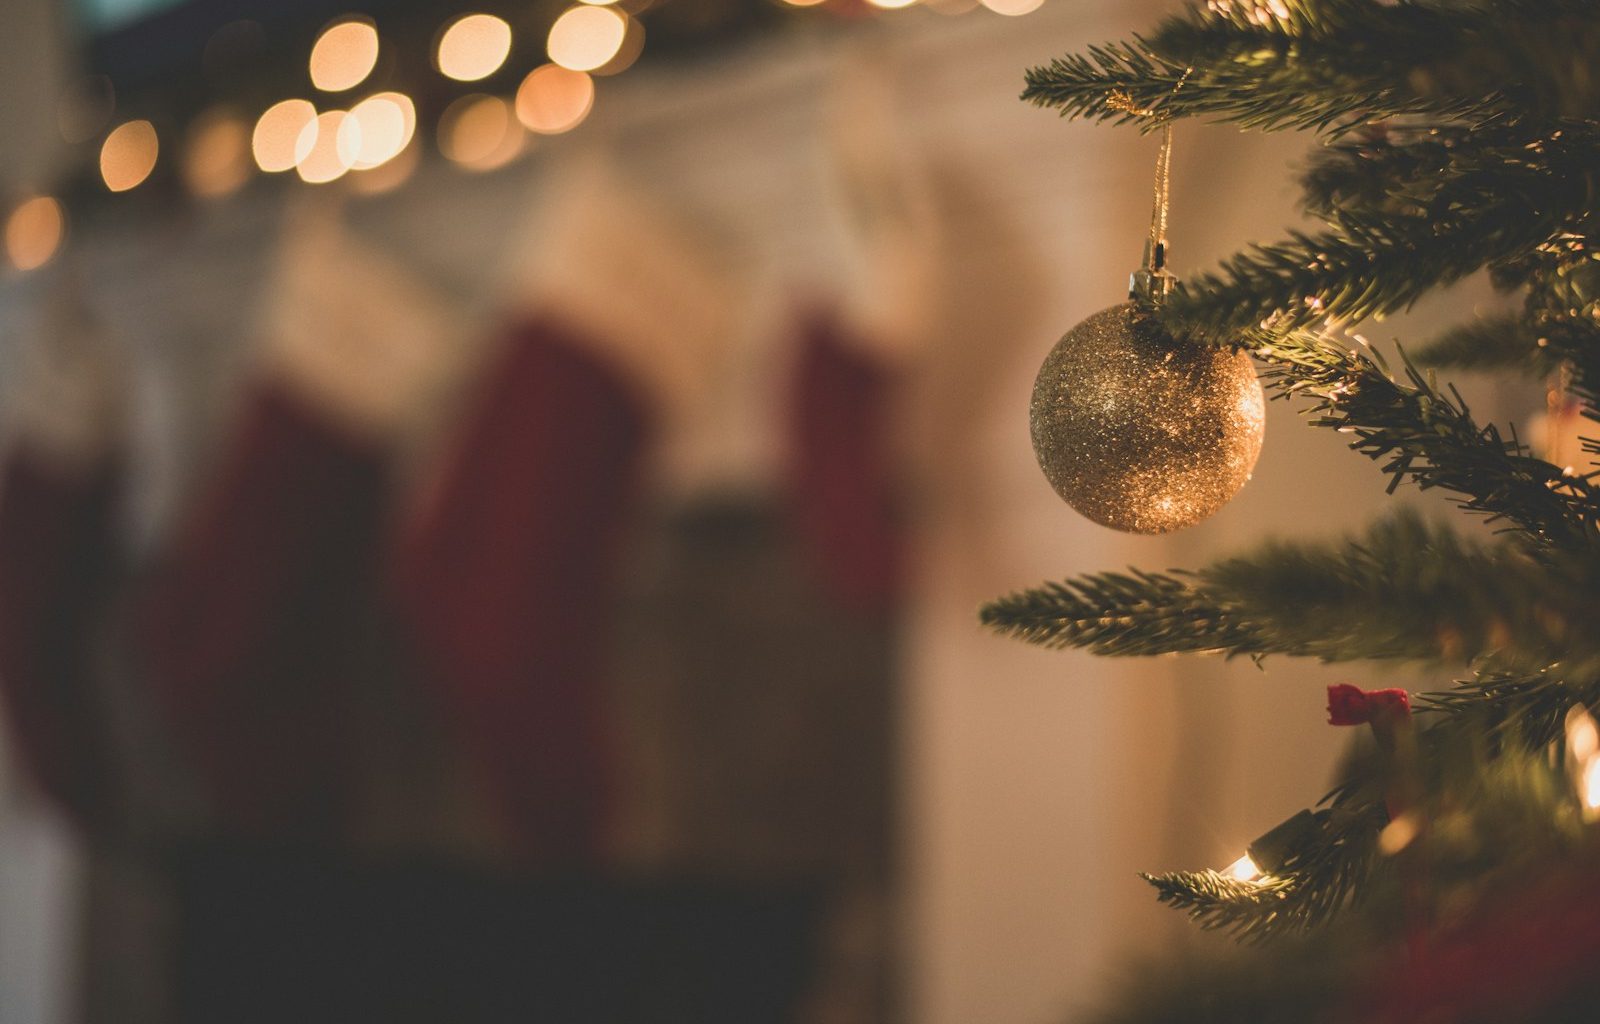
[(34, 232), (327, 147), (1012, 8), (554, 99), (128, 155), (1583, 737), (586, 38), (216, 156), (473, 47), (480, 133), (890, 5), (344, 55), (1400, 833), (278, 132), (386, 122)]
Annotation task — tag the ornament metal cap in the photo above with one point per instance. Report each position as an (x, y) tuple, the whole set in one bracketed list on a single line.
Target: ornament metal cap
[(1152, 282)]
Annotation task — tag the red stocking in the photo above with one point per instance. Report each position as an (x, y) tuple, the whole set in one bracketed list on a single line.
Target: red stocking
[(56, 554), (249, 632), (841, 467), (505, 585)]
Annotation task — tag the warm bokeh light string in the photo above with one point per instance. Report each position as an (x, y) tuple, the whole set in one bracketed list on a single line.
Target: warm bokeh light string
[(473, 47), (34, 231), (128, 155), (554, 99), (327, 147), (344, 55), (277, 131), (387, 122), (335, 130), (586, 38)]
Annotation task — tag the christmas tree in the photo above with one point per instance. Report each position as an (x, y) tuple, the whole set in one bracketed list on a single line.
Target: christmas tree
[(1449, 873)]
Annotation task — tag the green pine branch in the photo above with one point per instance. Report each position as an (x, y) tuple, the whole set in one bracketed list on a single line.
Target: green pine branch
[(1509, 704), (1318, 880), (1409, 210), (1405, 217), (1485, 778), (1410, 589), (1420, 433), (1431, 171), (1344, 275), (1134, 614), (1529, 704), (1407, 589), (1562, 318), (1503, 342), (1563, 282), (1334, 63), (1534, 343), (1220, 902), (1466, 138), (1484, 753)]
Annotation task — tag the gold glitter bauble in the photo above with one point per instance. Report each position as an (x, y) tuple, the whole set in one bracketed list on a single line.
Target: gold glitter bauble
[(1141, 431)]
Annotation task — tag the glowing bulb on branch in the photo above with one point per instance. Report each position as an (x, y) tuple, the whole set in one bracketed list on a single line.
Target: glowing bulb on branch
[(1583, 753), (1583, 738), (1399, 834), (1589, 789), (1243, 870)]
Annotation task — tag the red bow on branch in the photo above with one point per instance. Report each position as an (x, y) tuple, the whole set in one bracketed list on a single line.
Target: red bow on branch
[(1351, 705)]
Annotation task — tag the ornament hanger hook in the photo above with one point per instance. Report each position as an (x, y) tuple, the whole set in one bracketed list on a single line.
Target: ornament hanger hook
[(1152, 281)]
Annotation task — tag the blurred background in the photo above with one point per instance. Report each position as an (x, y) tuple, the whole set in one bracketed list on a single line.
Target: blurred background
[(496, 497)]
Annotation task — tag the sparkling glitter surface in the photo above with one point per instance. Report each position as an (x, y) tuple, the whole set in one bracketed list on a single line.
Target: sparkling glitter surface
[(1142, 432)]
